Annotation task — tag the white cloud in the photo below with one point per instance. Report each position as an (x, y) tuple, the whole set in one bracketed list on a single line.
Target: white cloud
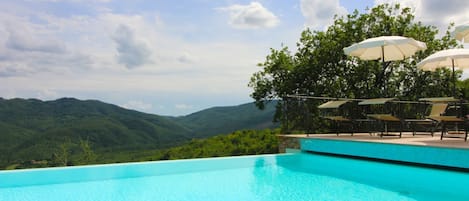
[(131, 52), (28, 47), (137, 105), (25, 40), (319, 14), (435, 12), (47, 94), (187, 57), (252, 16), (14, 69), (182, 106)]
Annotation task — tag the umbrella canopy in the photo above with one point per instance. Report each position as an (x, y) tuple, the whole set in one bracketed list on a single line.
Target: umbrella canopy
[(446, 58), (461, 33), (386, 48)]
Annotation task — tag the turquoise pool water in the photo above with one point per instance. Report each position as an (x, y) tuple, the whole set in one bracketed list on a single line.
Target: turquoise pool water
[(300, 176)]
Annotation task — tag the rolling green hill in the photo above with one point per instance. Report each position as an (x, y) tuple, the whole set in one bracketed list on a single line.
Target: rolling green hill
[(32, 129), (228, 119)]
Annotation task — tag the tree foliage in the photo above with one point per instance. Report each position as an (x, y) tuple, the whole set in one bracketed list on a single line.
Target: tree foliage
[(245, 142), (319, 66)]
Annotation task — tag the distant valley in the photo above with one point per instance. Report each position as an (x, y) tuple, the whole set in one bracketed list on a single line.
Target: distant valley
[(32, 129)]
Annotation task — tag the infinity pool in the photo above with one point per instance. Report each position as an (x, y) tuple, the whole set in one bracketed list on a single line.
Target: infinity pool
[(300, 176)]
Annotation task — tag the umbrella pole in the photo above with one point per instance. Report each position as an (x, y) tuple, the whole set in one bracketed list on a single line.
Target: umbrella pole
[(454, 80), (384, 71)]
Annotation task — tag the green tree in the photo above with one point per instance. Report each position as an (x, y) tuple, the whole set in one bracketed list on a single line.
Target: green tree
[(61, 157), (88, 155), (319, 66)]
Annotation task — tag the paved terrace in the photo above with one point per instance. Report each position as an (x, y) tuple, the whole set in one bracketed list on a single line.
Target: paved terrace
[(407, 138)]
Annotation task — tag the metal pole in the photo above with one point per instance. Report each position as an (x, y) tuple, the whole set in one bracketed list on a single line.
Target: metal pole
[(454, 80), (384, 70)]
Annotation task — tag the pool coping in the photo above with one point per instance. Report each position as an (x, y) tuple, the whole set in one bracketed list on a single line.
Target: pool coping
[(57, 175)]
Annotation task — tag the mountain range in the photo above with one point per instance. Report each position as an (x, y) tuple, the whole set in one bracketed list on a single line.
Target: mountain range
[(32, 129)]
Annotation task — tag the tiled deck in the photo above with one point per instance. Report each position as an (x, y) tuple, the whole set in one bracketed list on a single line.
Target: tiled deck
[(407, 139)]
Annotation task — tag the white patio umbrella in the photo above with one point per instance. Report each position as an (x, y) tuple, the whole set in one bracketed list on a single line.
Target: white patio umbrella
[(461, 33), (386, 48), (446, 58)]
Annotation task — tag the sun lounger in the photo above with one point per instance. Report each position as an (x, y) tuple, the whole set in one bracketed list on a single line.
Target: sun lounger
[(458, 124), (332, 113), (428, 124), (384, 120), (439, 114)]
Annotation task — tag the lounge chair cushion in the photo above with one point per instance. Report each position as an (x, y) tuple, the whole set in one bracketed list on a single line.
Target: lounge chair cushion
[(337, 118), (383, 117), (438, 109), (446, 118), (332, 104)]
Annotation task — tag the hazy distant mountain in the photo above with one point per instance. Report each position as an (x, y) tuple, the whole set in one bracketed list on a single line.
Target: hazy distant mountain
[(32, 129)]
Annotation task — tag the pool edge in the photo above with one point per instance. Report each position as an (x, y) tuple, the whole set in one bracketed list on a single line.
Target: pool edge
[(434, 157)]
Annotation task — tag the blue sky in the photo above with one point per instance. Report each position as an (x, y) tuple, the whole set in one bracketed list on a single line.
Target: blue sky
[(158, 56)]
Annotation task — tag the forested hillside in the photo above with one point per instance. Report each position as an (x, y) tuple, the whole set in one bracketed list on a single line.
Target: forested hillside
[(228, 119), (245, 142), (35, 130)]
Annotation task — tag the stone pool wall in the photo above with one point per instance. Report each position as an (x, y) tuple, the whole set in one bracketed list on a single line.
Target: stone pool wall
[(287, 142)]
